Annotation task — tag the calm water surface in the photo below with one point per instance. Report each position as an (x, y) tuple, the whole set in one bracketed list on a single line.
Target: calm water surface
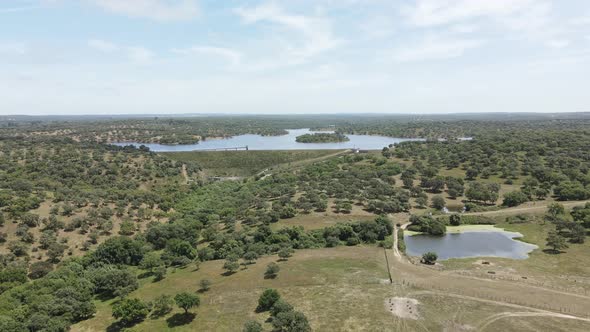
[(470, 244), (285, 142)]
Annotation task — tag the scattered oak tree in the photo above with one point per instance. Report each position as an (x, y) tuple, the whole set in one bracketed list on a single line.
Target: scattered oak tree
[(187, 301), (130, 311)]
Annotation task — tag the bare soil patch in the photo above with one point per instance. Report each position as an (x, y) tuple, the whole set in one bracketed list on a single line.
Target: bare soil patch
[(403, 307)]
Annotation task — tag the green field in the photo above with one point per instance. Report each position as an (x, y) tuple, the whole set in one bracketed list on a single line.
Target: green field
[(245, 163), (337, 289)]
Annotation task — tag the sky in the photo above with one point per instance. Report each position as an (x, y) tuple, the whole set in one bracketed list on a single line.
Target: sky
[(297, 56)]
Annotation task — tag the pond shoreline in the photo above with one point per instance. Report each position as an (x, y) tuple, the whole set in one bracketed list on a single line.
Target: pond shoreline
[(469, 241), (463, 229), (282, 142)]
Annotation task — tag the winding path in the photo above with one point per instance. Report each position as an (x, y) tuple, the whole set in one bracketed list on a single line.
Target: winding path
[(396, 252), (490, 320), (528, 209)]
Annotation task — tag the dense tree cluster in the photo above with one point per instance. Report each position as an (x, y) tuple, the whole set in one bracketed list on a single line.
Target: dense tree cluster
[(322, 138), (547, 157), (427, 224)]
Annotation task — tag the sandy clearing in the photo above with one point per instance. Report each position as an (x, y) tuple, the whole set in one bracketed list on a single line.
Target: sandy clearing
[(403, 307)]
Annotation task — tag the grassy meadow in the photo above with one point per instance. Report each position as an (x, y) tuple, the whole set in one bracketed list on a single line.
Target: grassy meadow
[(245, 163)]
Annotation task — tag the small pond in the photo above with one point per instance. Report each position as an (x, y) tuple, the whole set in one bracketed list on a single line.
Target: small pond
[(283, 142), (495, 243)]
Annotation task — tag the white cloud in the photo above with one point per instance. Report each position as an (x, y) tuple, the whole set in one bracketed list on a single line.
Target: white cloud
[(317, 32), (534, 20), (136, 54), (581, 21), (379, 27), (140, 55), (438, 12), (464, 28), (558, 43), (18, 9), (231, 56), (433, 49), (159, 10), (103, 46), (13, 48)]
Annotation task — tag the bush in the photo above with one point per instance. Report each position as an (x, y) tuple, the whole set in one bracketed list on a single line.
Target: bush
[(429, 258), (428, 225), (401, 243), (285, 253), (252, 326), (438, 202), (353, 241), (40, 269), (162, 305), (455, 219), (291, 321), (280, 306), (205, 284), (130, 311), (272, 269), (267, 299), (387, 243), (514, 198), (517, 219)]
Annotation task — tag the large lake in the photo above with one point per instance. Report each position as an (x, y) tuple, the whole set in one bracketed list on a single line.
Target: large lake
[(284, 142), (470, 244)]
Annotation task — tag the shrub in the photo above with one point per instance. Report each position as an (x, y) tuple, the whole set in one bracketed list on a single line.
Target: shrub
[(162, 305), (272, 269), (455, 219), (40, 269), (205, 284), (130, 311), (514, 198), (280, 306), (291, 321), (252, 326), (267, 299), (429, 258)]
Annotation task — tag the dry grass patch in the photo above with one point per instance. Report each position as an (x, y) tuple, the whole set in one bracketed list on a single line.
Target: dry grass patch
[(338, 289)]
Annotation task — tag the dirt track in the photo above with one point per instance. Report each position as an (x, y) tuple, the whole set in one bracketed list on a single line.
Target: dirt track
[(490, 320), (541, 207)]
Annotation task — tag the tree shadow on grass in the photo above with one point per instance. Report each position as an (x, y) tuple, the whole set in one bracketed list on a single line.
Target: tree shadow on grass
[(116, 327), (552, 251), (120, 326), (180, 319), (159, 314), (105, 296)]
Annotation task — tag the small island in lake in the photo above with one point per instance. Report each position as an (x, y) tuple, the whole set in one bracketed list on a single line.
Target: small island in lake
[(321, 138)]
